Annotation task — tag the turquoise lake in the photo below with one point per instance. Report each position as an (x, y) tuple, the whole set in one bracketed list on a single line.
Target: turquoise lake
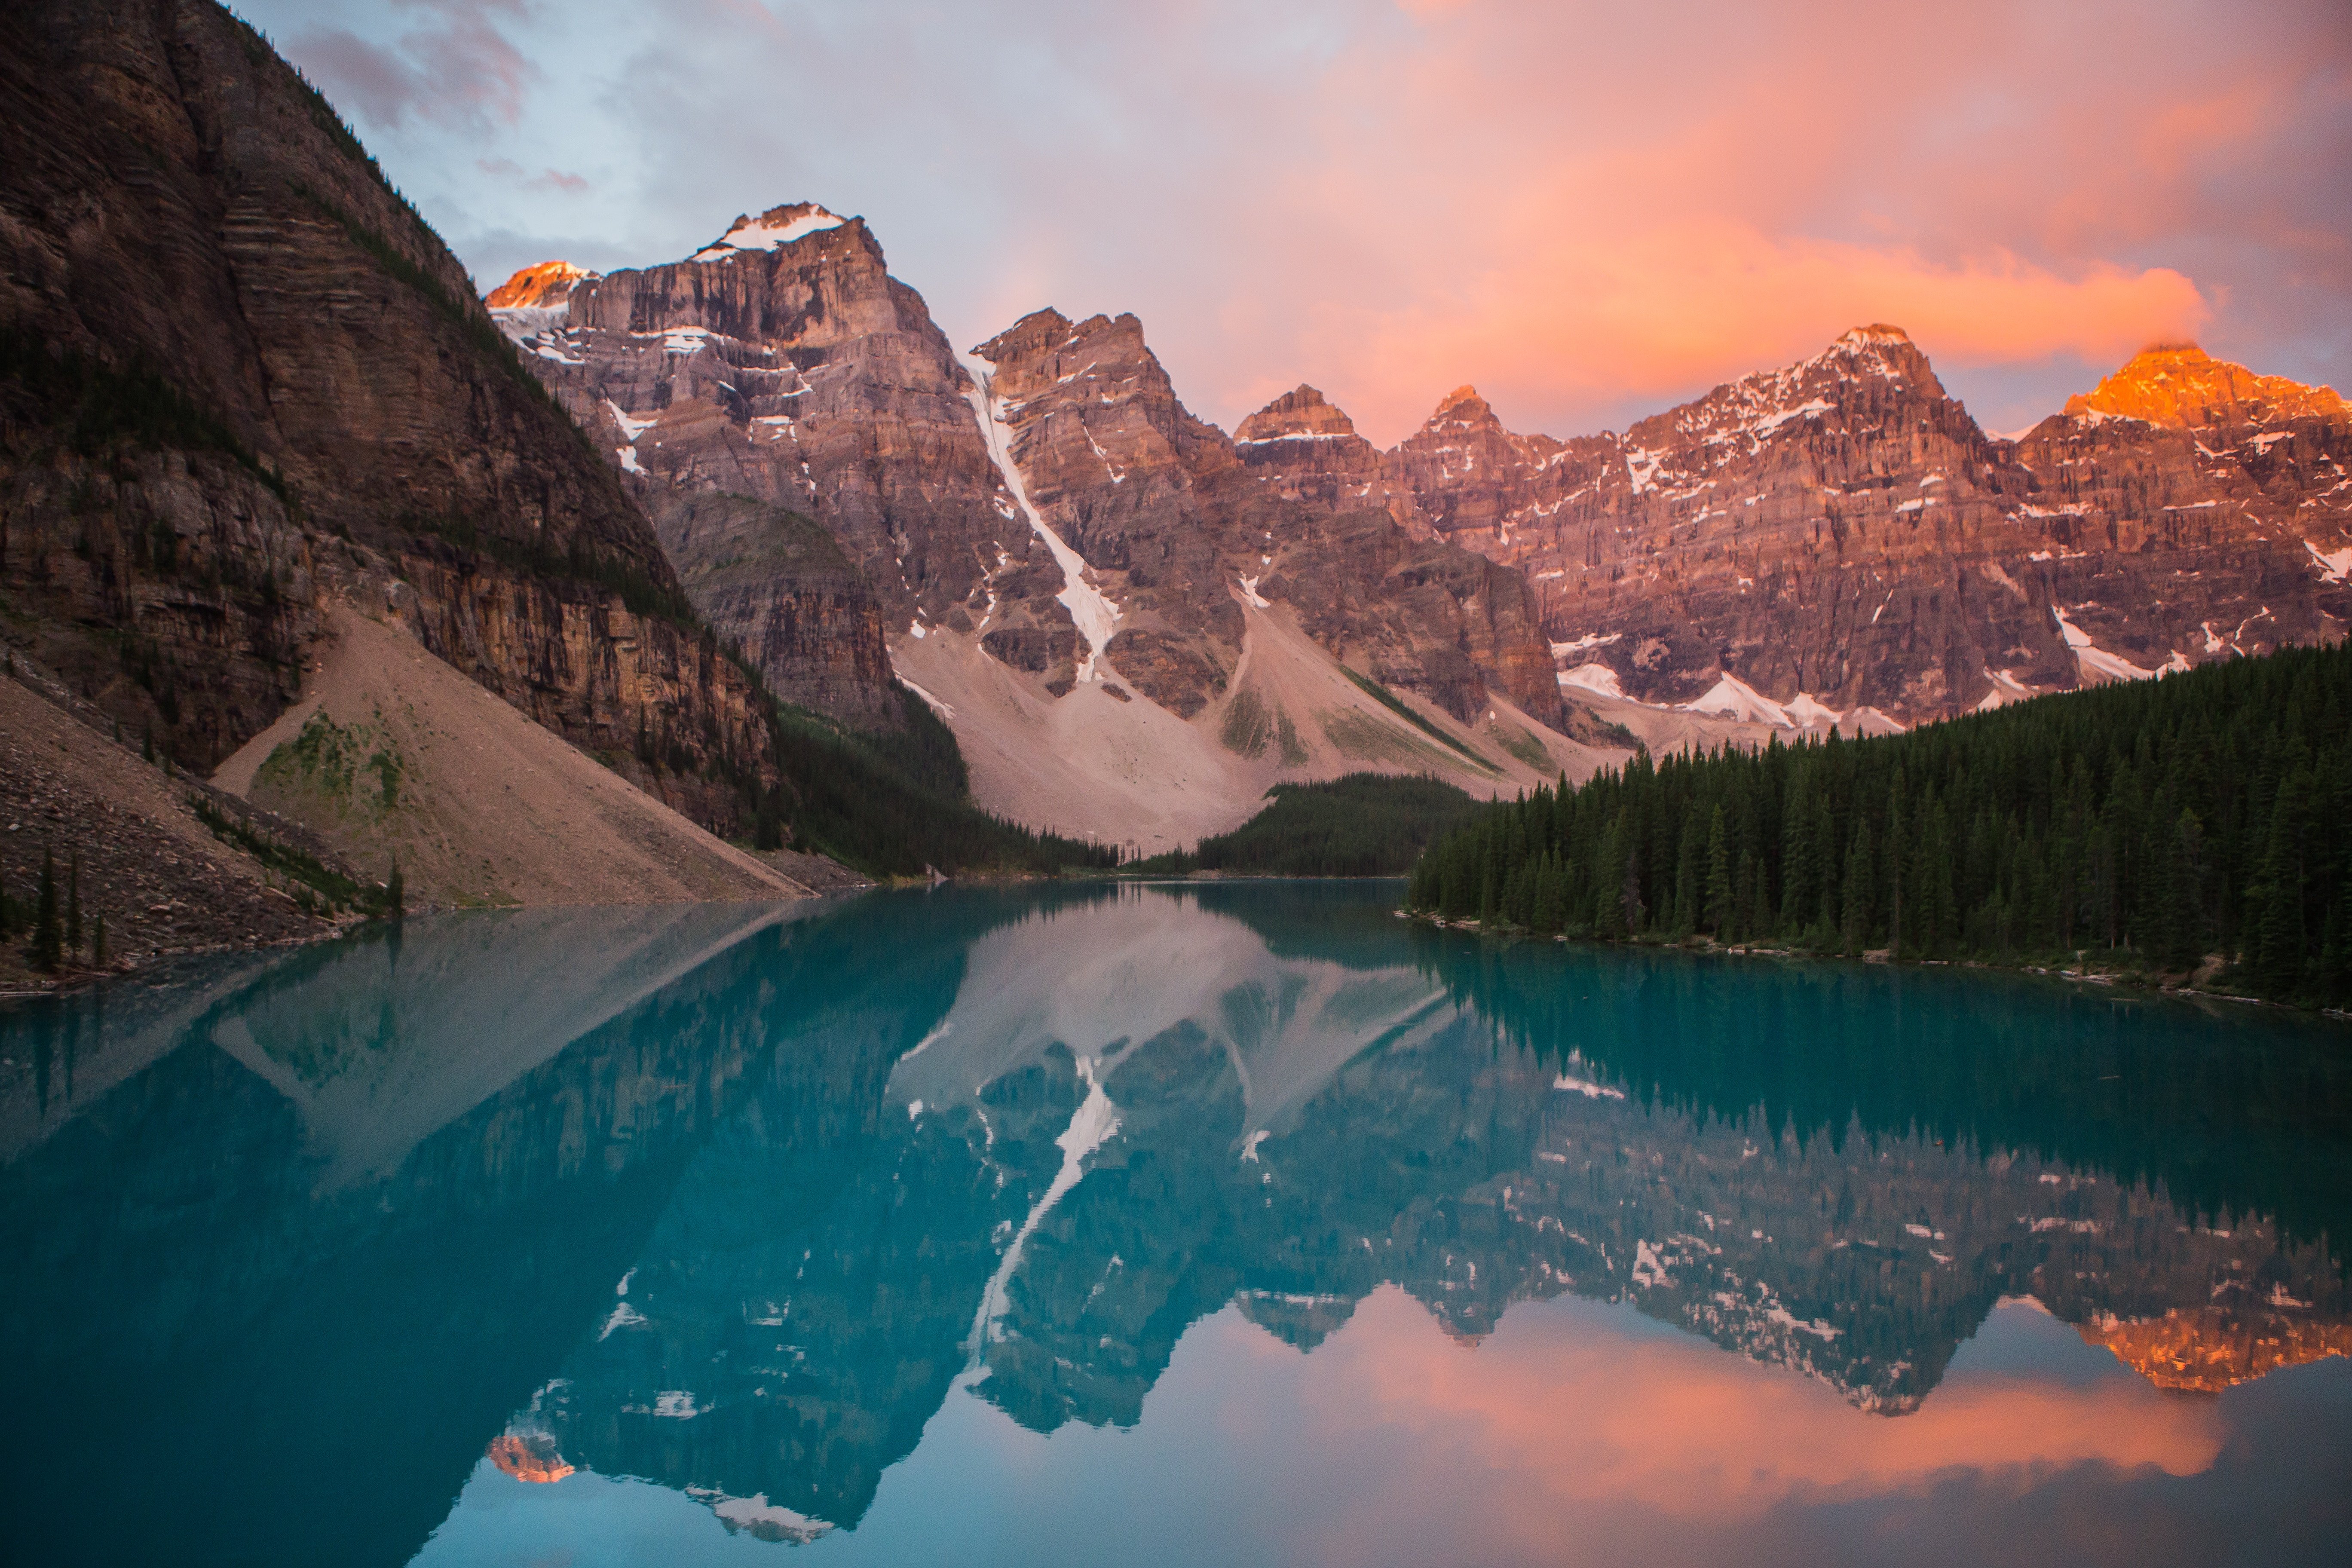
[(1237, 1223)]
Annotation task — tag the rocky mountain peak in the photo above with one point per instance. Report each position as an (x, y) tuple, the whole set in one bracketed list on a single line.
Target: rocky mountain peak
[(1878, 334), (2183, 386), (1299, 415), (1038, 333), (536, 288), (771, 230), (1462, 406), (1862, 374), (1878, 351)]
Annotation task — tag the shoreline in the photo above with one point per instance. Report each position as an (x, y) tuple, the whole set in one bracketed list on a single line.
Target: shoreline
[(2134, 981)]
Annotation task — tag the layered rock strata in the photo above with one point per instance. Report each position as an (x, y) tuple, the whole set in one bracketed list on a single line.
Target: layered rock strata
[(1841, 535), (1182, 530), (783, 364), (242, 374)]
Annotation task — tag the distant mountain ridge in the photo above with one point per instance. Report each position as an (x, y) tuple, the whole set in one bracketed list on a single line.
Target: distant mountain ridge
[(252, 416), (1132, 633), (1839, 537), (1833, 543)]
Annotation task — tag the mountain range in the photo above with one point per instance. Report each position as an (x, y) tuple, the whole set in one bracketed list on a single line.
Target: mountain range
[(1834, 544), (748, 532)]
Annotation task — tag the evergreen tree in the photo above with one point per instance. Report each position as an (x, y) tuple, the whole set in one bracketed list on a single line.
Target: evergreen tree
[(1609, 907), (1687, 876), (48, 934), (2149, 824), (1551, 904), (1719, 876), (73, 903), (1855, 921), (2278, 897), (97, 943), (1799, 894), (1898, 841)]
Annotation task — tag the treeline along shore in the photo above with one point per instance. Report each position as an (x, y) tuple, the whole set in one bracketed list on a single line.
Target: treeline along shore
[(2199, 826)]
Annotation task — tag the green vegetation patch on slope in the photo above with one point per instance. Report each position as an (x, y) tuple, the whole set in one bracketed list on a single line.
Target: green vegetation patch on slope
[(2147, 827), (1396, 705), (1364, 824), (314, 885), (894, 804)]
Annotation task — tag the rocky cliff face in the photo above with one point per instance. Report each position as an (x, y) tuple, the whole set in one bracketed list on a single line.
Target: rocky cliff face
[(782, 363), (1184, 524), (1841, 536), (783, 587), (242, 374)]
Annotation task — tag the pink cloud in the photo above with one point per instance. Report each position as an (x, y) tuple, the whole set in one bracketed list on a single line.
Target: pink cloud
[(1589, 210), (1571, 1417), (512, 172), (1576, 208), (455, 66)]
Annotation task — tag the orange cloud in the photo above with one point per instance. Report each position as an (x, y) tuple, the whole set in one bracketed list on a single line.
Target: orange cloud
[(1576, 1413), (1574, 210), (1658, 312), (1589, 210)]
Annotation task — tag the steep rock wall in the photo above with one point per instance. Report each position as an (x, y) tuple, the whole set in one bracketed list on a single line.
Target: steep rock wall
[(222, 321)]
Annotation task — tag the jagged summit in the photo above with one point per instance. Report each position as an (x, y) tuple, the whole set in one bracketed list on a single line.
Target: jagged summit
[(533, 287), (1879, 332), (1302, 414), (1030, 332), (2183, 386), (1460, 409), (772, 230)]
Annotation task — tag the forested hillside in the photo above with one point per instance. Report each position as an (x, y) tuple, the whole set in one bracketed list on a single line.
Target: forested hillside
[(2146, 825), (1361, 825), (896, 803)]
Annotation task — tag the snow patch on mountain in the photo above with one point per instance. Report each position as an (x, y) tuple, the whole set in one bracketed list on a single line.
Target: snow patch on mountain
[(1092, 1125), (2006, 688), (1732, 697), (1096, 616), (2334, 564), (2096, 663), (1586, 643), (1595, 677), (769, 231)]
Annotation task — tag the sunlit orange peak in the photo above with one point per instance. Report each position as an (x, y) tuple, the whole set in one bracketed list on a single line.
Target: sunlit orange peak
[(528, 1458), (2181, 386), (2210, 1348), (548, 283)]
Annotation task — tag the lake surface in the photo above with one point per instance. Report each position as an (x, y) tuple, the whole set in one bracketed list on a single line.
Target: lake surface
[(1224, 1224)]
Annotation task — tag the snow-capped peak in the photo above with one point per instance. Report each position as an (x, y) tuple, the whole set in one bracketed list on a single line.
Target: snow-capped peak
[(775, 227), (533, 287), (1876, 335)]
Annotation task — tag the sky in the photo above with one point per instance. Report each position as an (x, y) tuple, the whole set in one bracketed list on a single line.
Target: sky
[(1589, 211)]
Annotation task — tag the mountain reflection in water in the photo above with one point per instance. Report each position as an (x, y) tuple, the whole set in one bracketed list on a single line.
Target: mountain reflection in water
[(690, 1233)]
